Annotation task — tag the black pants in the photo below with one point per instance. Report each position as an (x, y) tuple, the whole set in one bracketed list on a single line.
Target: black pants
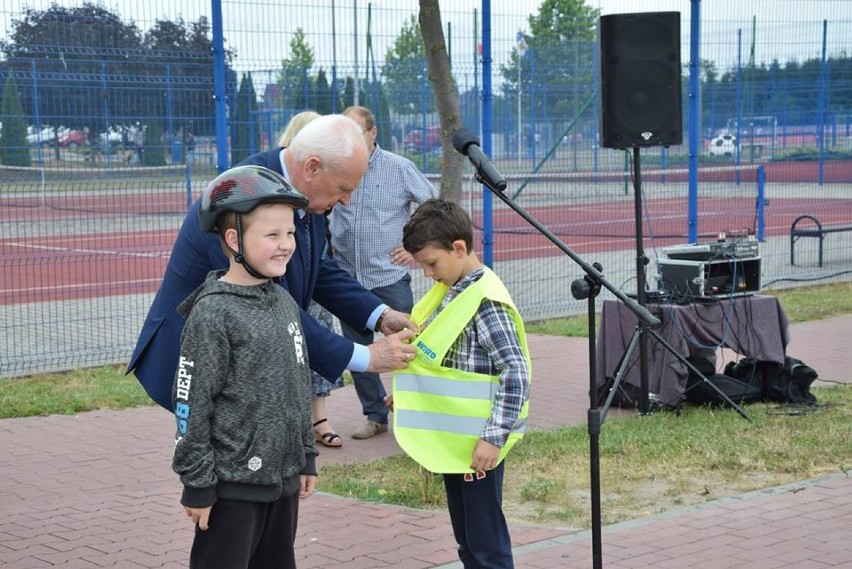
[(248, 535), (479, 526)]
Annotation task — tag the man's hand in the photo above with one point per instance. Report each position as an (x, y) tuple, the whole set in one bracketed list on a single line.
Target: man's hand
[(395, 321), (399, 256), (200, 516), (391, 352)]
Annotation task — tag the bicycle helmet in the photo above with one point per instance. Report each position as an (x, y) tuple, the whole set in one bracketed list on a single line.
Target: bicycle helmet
[(243, 188)]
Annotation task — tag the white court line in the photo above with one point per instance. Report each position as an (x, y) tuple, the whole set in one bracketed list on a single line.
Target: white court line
[(76, 286), (90, 251)]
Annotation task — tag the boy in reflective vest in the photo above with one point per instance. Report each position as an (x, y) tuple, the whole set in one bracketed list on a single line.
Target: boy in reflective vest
[(462, 403)]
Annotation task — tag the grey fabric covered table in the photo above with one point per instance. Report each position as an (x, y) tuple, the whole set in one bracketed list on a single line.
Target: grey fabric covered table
[(754, 326)]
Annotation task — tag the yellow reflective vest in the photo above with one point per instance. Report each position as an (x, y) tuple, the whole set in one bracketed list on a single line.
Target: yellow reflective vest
[(439, 412)]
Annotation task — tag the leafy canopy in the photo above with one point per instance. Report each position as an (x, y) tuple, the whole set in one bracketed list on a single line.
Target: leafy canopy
[(405, 71), (87, 60), (557, 52)]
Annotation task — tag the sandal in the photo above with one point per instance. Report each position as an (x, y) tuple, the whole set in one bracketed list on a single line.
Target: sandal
[(329, 439)]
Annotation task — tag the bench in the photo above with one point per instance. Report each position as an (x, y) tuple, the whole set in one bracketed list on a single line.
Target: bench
[(813, 229)]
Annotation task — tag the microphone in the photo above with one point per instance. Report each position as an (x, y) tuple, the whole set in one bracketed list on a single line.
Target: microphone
[(465, 142)]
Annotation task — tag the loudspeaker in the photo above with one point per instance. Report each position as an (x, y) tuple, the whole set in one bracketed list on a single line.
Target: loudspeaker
[(640, 80)]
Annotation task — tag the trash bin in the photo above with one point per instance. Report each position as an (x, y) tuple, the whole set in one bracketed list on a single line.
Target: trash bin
[(176, 151)]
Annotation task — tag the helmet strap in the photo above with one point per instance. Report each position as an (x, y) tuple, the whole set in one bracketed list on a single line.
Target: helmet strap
[(240, 257)]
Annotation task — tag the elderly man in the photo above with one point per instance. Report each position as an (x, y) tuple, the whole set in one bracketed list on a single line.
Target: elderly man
[(325, 162)]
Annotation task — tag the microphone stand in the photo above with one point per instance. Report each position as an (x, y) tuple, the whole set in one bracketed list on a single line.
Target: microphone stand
[(588, 287)]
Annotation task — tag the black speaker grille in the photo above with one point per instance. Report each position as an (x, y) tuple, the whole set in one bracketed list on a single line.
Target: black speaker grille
[(640, 95), (640, 80)]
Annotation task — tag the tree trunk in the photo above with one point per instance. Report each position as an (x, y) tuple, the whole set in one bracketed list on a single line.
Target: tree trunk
[(446, 99)]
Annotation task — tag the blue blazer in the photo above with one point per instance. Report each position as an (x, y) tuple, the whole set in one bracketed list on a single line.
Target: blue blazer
[(155, 358)]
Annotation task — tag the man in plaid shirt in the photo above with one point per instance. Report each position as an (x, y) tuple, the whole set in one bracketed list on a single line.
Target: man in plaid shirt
[(366, 239)]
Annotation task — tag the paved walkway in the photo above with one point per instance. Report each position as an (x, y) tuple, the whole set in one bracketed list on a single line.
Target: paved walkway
[(95, 490)]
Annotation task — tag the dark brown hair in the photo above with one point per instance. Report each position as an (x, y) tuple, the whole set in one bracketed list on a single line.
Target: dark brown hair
[(437, 223)]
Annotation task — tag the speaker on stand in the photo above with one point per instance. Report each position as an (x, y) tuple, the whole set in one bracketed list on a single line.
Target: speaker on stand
[(639, 106)]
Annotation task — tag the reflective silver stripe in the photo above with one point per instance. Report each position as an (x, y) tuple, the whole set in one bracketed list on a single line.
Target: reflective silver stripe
[(430, 385), (471, 426)]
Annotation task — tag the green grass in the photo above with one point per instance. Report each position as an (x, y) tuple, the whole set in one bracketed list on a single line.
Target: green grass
[(75, 391), (648, 464)]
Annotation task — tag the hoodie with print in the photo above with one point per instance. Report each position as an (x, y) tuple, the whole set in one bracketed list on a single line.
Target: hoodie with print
[(241, 395)]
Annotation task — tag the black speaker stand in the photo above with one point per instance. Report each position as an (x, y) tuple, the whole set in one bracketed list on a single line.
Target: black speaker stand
[(641, 264)]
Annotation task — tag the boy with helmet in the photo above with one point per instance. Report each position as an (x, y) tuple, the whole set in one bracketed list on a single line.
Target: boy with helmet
[(462, 403), (244, 447)]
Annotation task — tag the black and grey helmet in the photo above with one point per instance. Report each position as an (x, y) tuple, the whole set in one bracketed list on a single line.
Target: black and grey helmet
[(243, 188)]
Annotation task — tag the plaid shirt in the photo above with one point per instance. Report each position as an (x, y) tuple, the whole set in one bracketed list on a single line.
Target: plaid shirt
[(489, 345), (364, 233)]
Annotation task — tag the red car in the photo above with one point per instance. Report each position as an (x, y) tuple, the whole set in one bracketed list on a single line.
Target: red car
[(72, 138), (415, 141)]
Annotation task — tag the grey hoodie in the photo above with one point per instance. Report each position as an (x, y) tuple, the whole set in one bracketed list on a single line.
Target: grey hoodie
[(241, 395)]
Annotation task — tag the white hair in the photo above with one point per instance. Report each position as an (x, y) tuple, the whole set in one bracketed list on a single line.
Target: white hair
[(332, 138)]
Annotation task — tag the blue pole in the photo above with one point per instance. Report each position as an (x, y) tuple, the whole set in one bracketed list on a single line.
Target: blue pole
[(694, 120), (475, 69), (188, 177), (738, 149), (596, 82), (773, 111), (252, 118), (823, 80), (423, 112), (170, 118), (333, 93), (507, 126), (36, 113), (761, 183), (487, 220), (106, 111), (531, 121), (219, 88)]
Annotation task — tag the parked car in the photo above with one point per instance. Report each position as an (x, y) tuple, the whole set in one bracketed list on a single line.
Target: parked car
[(69, 138), (43, 136), (416, 141), (724, 144)]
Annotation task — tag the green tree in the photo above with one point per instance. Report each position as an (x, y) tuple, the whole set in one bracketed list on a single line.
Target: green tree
[(558, 52), (181, 56), (324, 95), (13, 137), (92, 67), (349, 93), (294, 77), (154, 150), (246, 136), (405, 72)]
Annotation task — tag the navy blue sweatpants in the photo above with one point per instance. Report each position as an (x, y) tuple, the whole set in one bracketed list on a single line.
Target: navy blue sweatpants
[(479, 526)]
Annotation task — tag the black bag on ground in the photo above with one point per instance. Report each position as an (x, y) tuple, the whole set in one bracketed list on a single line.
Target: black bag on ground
[(789, 382), (735, 389)]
